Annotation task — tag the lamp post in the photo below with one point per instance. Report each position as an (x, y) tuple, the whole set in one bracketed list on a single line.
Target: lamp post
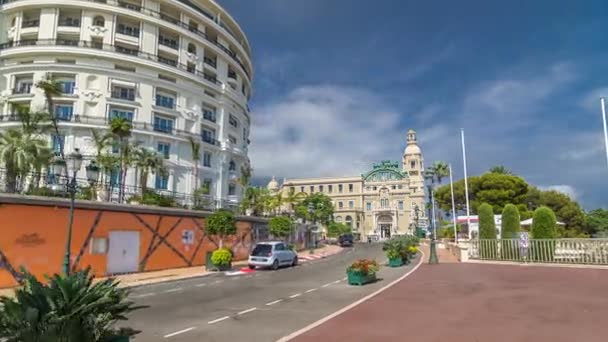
[(433, 259), (311, 211), (73, 164), (416, 217)]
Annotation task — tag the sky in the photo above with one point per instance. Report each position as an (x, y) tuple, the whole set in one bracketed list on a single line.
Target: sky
[(339, 82)]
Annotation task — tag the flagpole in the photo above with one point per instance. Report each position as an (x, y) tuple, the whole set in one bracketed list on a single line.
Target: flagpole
[(466, 182), (605, 126), (453, 205)]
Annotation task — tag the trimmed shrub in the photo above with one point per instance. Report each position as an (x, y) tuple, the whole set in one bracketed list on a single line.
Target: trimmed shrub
[(221, 257), (221, 224), (543, 224), (510, 222), (487, 232)]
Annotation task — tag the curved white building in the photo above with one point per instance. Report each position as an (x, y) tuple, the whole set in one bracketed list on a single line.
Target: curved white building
[(176, 68)]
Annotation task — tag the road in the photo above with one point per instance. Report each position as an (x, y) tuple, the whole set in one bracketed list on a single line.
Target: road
[(263, 306)]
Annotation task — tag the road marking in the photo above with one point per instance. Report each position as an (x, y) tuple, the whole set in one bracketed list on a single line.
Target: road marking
[(201, 285), (179, 332), (326, 285), (273, 303), (246, 311), (145, 295), (337, 281), (295, 295), (218, 320), (311, 290), (217, 281), (341, 311), (174, 290), (343, 279)]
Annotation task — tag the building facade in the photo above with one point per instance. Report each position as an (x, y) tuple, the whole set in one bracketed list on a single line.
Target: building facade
[(176, 69), (387, 200)]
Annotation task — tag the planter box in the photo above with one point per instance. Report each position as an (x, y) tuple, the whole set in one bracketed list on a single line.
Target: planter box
[(396, 262), (222, 268), (358, 278), (120, 339)]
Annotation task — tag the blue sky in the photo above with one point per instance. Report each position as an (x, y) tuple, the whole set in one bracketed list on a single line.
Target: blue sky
[(338, 83)]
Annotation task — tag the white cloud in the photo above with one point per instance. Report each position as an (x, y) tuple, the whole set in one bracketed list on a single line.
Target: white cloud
[(324, 131), (563, 188)]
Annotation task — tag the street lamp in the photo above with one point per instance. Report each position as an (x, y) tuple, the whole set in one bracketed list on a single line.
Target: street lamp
[(433, 254), (417, 213)]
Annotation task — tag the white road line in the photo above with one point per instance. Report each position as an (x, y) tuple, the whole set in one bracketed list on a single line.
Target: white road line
[(217, 281), (174, 290), (295, 295), (201, 285), (218, 320), (179, 332), (246, 311), (337, 281), (145, 295), (273, 303), (326, 285), (311, 290)]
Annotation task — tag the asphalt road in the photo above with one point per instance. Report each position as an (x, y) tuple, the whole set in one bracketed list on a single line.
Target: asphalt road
[(263, 306)]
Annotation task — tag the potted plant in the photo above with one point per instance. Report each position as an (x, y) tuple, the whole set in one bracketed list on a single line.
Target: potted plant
[(222, 259), (393, 253), (362, 272), (412, 250)]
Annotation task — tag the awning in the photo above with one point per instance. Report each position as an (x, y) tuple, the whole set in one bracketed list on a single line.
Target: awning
[(528, 222)]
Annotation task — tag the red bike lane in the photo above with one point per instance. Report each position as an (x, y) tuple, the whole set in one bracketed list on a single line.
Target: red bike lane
[(479, 302)]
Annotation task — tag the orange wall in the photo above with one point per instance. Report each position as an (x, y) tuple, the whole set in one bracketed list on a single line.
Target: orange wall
[(34, 236)]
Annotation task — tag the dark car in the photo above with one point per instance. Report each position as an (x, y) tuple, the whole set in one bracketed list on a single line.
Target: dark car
[(346, 240)]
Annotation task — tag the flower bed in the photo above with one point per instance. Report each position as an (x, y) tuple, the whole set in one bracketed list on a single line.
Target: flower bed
[(362, 272)]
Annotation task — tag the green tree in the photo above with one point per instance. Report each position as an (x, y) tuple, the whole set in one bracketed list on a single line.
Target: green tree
[(102, 141), (51, 88), (500, 169), (246, 172), (280, 226), (255, 199), (543, 224), (597, 222), (439, 170), (148, 161), (321, 205), (510, 222), (20, 153), (195, 149), (69, 308), (221, 224), (335, 229), (567, 211), (121, 130), (487, 227)]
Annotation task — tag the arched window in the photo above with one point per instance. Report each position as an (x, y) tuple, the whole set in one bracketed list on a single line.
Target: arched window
[(232, 166), (413, 164), (99, 21), (191, 48), (338, 218), (349, 221)]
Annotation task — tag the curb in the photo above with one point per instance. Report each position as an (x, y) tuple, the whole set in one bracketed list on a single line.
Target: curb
[(523, 264)]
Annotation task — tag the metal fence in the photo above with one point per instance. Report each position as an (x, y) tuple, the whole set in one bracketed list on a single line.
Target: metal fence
[(561, 251)]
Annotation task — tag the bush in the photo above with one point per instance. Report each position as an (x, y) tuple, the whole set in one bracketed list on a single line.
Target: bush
[(510, 222), (543, 224), (151, 197), (487, 232), (364, 266), (280, 226), (400, 247), (335, 229), (68, 308), (221, 257)]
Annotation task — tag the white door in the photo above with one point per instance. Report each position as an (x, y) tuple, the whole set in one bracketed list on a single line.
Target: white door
[(123, 252)]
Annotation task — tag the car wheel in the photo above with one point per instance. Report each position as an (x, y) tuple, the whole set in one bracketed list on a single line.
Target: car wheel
[(275, 264), (252, 267), (295, 261)]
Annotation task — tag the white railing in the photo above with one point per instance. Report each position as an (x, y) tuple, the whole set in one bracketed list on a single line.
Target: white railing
[(561, 251)]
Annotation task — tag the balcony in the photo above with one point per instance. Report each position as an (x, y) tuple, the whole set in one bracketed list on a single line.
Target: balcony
[(130, 6), (22, 89), (211, 62), (126, 51), (210, 140), (168, 41), (165, 101), (168, 129), (232, 74), (123, 94), (69, 22), (30, 23)]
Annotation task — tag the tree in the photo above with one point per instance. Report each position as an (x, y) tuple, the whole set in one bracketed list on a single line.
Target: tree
[(597, 222), (69, 308), (221, 224), (543, 224), (280, 226), (510, 222), (51, 88), (255, 199), (246, 172), (500, 169), (195, 148), (487, 227), (321, 205), (335, 229), (101, 141), (19, 153), (567, 211), (293, 198), (121, 130), (439, 170), (148, 161)]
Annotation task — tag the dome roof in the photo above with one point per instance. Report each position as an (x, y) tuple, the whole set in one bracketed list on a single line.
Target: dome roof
[(273, 185), (412, 149)]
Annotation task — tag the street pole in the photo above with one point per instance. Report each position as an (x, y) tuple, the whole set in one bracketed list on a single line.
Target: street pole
[(68, 244), (466, 182), (605, 126), (433, 247), (453, 205)]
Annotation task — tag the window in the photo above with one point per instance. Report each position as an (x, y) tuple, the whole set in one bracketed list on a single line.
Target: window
[(233, 121), (232, 166), (208, 136), (245, 133), (312, 189), (209, 114), (349, 221), (400, 205), (64, 112), (351, 204), (340, 204), (301, 189), (163, 124), (192, 26), (340, 188), (207, 159), (338, 218), (115, 176), (232, 139), (191, 48), (368, 206), (66, 86), (393, 187), (23, 85), (165, 100), (123, 93), (375, 188), (57, 141), (351, 187), (231, 190), (169, 41), (124, 68), (208, 183), (121, 113), (413, 164), (330, 188), (164, 149), (320, 188), (99, 245), (99, 21), (128, 29), (162, 181)]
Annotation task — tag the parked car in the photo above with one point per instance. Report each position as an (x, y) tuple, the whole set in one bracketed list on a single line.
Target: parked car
[(272, 254), (346, 240)]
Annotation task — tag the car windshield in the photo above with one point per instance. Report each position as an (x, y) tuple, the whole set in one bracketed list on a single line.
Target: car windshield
[(261, 249)]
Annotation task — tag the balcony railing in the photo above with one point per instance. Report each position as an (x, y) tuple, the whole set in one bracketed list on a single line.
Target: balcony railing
[(166, 41), (105, 47), (129, 5), (22, 89), (70, 22), (117, 94), (210, 140), (210, 61), (231, 74), (128, 31), (30, 23), (163, 128), (209, 115)]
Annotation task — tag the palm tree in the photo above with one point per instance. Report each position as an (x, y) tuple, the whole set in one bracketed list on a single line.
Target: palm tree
[(294, 198), (148, 161), (31, 123), (121, 130), (195, 148), (19, 153), (101, 141), (52, 88), (246, 172), (440, 170), (500, 169)]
